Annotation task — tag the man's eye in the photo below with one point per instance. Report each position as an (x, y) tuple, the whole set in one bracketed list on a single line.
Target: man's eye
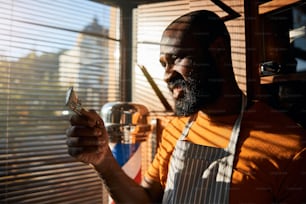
[(174, 57), (184, 62)]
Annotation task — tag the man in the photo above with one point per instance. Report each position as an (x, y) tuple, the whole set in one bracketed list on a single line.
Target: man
[(219, 149)]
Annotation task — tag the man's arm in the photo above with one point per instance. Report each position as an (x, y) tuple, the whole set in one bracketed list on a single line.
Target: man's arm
[(89, 144), (123, 189)]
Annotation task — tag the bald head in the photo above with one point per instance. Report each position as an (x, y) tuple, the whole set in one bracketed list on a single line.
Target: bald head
[(201, 26)]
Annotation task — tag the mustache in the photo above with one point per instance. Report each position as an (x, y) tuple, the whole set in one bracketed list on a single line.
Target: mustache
[(175, 83)]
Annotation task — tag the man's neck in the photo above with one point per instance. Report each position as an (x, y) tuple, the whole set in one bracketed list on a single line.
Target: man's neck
[(225, 105)]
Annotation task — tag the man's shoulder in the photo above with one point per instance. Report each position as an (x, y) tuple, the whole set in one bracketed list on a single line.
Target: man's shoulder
[(262, 112), (262, 121)]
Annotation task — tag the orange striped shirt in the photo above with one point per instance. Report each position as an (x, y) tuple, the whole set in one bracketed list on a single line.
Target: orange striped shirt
[(270, 161)]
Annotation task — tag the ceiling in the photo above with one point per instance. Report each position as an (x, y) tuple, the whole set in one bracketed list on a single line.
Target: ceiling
[(131, 3), (127, 5)]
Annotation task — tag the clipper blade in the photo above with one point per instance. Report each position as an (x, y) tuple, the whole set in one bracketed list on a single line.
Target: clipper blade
[(73, 102)]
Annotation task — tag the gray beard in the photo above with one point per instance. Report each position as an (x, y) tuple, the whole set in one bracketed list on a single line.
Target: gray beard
[(197, 95), (193, 99), (187, 105)]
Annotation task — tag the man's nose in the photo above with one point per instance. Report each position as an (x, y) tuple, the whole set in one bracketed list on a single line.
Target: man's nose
[(168, 72)]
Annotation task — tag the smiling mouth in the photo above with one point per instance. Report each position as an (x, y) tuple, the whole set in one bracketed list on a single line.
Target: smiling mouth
[(177, 91), (177, 87)]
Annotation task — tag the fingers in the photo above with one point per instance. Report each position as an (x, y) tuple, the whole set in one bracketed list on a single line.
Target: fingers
[(78, 120), (77, 151), (84, 131), (88, 118), (87, 138), (82, 141), (93, 119)]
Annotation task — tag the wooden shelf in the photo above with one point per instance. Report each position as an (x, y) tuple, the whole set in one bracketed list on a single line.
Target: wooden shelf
[(299, 76), (274, 5)]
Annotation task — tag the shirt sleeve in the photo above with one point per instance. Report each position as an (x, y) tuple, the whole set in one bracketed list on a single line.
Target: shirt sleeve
[(293, 188)]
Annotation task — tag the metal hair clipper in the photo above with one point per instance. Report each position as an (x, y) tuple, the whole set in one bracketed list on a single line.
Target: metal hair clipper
[(73, 102)]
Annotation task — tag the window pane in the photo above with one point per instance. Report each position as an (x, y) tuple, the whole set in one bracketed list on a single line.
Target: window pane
[(46, 47)]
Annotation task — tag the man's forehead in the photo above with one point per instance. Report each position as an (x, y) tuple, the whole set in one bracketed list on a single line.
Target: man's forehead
[(176, 35), (176, 43), (170, 49), (170, 41)]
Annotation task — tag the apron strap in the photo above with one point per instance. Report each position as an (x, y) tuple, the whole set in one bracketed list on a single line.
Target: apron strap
[(188, 126), (231, 148)]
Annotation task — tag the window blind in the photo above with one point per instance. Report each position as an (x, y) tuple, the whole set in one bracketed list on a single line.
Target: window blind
[(46, 47)]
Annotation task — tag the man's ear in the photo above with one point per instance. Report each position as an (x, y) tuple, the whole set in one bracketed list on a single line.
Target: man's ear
[(220, 51), (217, 48)]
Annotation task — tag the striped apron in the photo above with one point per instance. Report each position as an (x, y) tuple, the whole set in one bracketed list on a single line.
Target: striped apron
[(201, 174)]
